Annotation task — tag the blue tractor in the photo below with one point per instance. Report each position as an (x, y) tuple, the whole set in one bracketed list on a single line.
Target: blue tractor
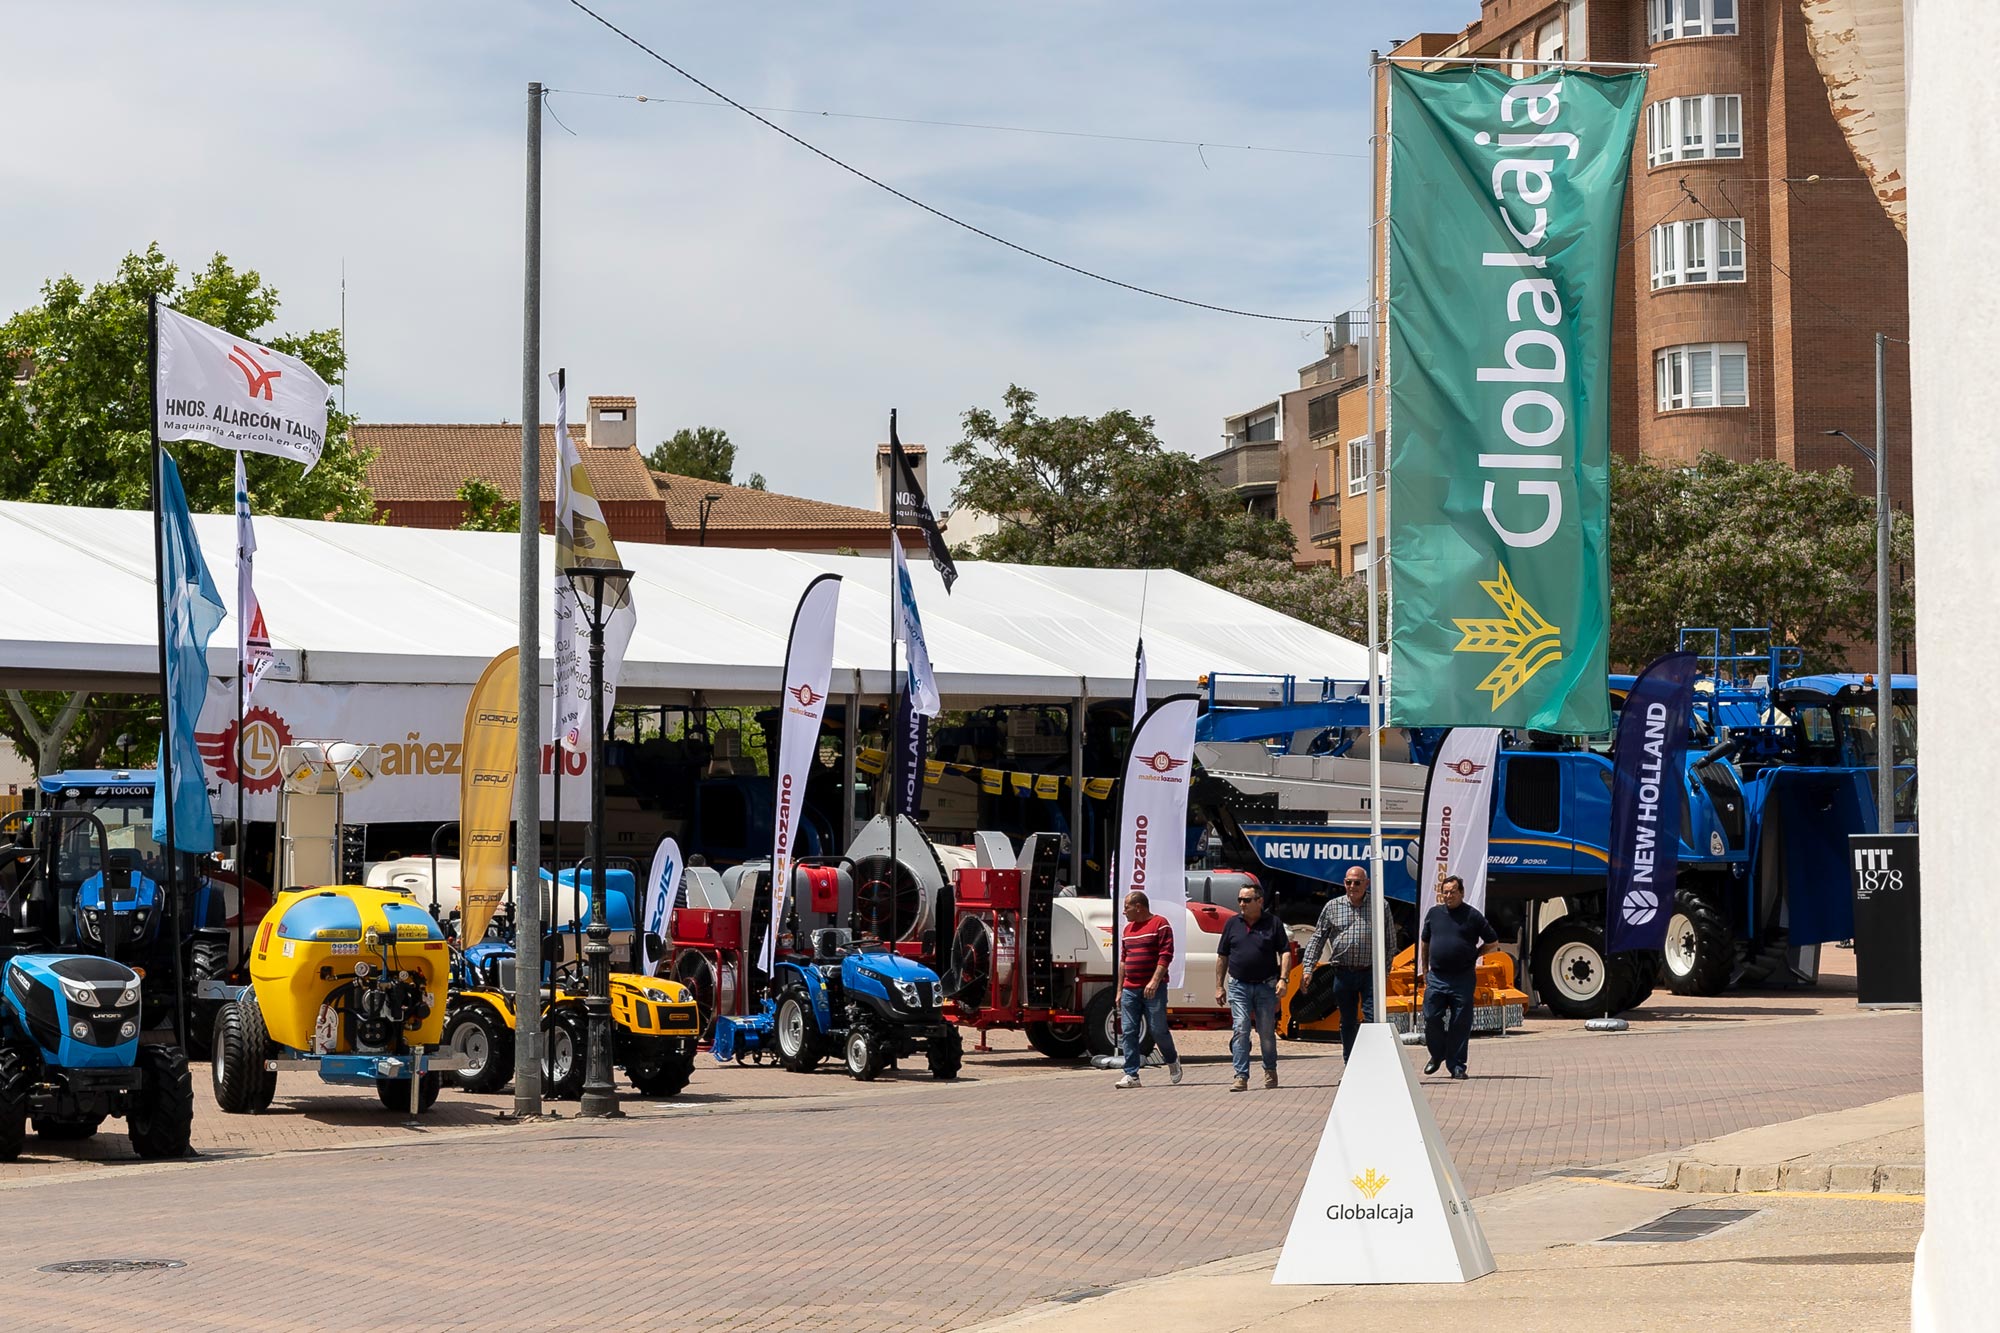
[(72, 1041), (864, 1000)]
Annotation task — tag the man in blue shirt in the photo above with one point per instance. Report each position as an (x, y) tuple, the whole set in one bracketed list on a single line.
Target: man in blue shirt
[(1250, 963), (1454, 935)]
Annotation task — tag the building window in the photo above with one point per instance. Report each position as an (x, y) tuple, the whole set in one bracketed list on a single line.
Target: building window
[(1549, 44), (1702, 375), (1667, 20), (1357, 562), (1357, 465), (1257, 430), (1323, 415), (1697, 250), (1686, 129)]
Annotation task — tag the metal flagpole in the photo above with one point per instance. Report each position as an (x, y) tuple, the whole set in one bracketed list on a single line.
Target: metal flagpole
[(1885, 732), (889, 730), (528, 737), (242, 957), (1378, 905), (165, 777)]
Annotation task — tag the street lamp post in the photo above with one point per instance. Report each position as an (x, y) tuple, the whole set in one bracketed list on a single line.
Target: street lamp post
[(707, 503), (1885, 735), (594, 586)]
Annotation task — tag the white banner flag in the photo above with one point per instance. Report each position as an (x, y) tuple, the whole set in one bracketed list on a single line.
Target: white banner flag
[(253, 641), (237, 394), (924, 699), (1139, 700), (808, 670), (1152, 817), (582, 538), (663, 886), (1458, 807)]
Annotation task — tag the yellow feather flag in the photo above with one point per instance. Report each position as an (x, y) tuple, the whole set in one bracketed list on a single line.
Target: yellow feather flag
[(486, 793)]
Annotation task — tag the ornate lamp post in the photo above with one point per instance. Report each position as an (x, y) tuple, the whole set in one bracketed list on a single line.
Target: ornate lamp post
[(599, 589)]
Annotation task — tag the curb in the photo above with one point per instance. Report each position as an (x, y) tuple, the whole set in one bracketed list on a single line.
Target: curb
[(1837, 1177)]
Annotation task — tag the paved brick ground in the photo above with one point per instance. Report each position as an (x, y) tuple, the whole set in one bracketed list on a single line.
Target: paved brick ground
[(778, 1201)]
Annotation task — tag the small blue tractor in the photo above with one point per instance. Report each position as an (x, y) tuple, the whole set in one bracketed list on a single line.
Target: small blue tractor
[(72, 1049), (864, 1000)]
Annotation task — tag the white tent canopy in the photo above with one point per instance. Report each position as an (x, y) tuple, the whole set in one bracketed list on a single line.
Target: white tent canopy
[(357, 603)]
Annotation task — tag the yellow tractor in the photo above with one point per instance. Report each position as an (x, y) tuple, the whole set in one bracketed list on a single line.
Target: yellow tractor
[(345, 981)]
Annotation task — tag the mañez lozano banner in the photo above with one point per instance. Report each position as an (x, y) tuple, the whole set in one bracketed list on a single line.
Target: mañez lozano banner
[(1506, 200), (1152, 819), (808, 671), (1646, 795)]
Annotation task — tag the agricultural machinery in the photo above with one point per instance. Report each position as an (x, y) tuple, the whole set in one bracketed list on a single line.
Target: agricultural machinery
[(72, 1044), (347, 982), (865, 1001), (655, 1021)]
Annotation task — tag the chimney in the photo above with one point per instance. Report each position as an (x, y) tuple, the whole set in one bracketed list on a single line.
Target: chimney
[(919, 464), (613, 423)]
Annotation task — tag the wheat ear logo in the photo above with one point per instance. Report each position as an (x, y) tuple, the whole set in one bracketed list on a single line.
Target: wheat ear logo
[(1370, 1184), (1525, 641)]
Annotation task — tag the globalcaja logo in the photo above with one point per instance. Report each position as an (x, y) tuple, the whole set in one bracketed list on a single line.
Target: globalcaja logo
[(257, 380), (1525, 641), (1370, 1184)]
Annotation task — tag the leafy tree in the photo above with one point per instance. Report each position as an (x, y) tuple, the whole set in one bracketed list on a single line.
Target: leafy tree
[(703, 452), (1730, 544), (1318, 595), (74, 430), (756, 482), (486, 509), (1099, 491)]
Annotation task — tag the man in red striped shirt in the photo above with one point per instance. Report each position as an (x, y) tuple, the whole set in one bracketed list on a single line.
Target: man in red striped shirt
[(1148, 948)]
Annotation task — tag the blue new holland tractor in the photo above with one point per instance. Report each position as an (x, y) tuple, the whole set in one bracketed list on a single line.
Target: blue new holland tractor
[(73, 1050), (866, 1001)]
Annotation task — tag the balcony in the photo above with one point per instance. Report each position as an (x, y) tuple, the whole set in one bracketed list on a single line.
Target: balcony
[(1324, 527), (1246, 467)]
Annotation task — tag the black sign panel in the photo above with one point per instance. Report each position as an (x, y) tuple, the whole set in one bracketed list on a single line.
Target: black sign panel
[(1888, 935)]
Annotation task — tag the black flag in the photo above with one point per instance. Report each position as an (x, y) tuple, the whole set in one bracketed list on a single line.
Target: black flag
[(909, 508)]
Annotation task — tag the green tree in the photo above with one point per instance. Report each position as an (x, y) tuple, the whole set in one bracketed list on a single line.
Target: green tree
[(703, 452), (1099, 491), (74, 430), (1318, 595), (756, 482), (486, 509), (1729, 544)]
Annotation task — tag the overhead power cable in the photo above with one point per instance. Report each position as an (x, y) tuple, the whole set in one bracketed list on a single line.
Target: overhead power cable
[(937, 212)]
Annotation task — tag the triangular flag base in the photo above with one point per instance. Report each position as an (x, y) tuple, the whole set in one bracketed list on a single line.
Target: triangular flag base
[(1382, 1202)]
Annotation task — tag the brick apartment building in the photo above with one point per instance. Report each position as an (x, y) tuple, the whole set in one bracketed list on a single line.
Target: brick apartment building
[(1758, 263), (417, 469)]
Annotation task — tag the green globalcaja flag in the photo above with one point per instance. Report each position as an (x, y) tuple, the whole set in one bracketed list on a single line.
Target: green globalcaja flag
[(1506, 197)]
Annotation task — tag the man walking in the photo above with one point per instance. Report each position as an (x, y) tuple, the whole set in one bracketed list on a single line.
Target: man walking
[(1250, 962), (1142, 997), (1454, 935), (1342, 939)]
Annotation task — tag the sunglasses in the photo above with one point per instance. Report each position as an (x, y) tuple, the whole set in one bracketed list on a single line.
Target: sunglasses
[(1246, 900)]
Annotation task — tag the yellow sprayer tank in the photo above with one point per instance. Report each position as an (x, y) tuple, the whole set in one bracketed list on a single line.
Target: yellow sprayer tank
[(347, 968)]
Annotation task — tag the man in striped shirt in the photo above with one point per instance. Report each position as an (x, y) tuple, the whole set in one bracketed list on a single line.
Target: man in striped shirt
[(1342, 935), (1148, 954)]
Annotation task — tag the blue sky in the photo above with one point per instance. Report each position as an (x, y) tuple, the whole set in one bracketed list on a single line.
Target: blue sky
[(695, 259)]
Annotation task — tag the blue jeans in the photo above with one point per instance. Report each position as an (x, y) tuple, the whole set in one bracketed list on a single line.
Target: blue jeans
[(1355, 995), (1136, 1011), (1253, 1002), (1448, 1018)]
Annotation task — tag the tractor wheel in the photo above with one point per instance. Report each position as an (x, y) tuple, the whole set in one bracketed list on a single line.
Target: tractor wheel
[(1573, 976), (1634, 975), (242, 1084), (208, 960), (563, 1055), (476, 1034), (697, 973), (1701, 948), (946, 1053), (1058, 1041), (867, 1055), (659, 1067), (1100, 1032), (799, 1039), (68, 1129), (161, 1117), (13, 1104), (395, 1092)]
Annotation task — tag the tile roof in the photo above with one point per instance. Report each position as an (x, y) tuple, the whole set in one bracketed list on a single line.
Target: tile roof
[(613, 400), (430, 462), (741, 507)]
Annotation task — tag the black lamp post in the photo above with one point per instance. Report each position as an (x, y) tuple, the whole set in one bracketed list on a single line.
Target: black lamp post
[(707, 503), (599, 590)]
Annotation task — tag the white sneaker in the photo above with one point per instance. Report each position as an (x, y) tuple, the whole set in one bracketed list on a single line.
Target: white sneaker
[(1174, 1072), (1129, 1081)]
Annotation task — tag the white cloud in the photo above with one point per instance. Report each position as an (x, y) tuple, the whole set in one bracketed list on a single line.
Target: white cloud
[(694, 258)]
